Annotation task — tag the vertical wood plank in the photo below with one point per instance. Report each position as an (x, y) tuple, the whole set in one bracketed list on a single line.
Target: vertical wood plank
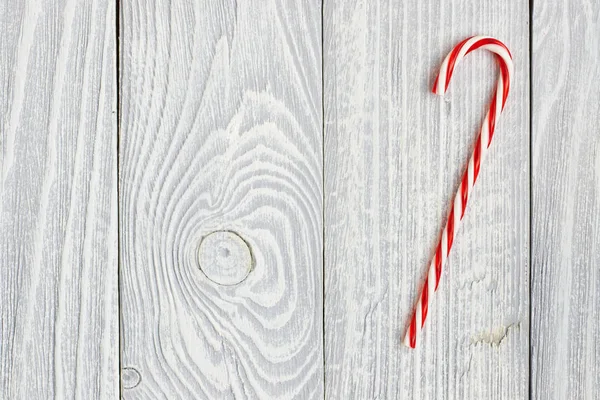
[(566, 200), (221, 144), (394, 154), (58, 200)]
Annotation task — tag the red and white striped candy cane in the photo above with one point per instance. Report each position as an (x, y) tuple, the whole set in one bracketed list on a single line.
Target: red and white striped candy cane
[(470, 176)]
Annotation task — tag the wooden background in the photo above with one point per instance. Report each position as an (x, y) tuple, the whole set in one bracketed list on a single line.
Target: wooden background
[(305, 135)]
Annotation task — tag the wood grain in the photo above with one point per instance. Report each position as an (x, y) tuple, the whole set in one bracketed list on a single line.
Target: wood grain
[(566, 200), (221, 130), (394, 154), (58, 200)]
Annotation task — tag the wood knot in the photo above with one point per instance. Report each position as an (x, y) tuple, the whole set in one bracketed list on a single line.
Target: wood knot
[(225, 258)]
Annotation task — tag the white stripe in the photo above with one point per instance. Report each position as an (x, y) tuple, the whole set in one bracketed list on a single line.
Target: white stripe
[(499, 96), (444, 247), (467, 47), (485, 135), (441, 80), (471, 170), (418, 319), (431, 281), (457, 207), (501, 51)]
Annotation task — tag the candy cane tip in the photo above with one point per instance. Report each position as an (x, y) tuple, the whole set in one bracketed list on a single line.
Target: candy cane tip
[(406, 341), (435, 88), (438, 90)]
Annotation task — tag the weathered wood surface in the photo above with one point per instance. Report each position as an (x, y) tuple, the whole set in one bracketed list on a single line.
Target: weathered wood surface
[(221, 165), (221, 130), (394, 154), (58, 201), (565, 335)]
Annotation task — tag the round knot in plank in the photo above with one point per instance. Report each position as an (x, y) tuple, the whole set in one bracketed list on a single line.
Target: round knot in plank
[(225, 258)]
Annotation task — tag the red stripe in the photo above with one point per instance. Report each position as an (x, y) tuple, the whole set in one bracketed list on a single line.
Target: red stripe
[(438, 265), (435, 84), (464, 191), (412, 332), (452, 61), (488, 41), (476, 158), (492, 120), (450, 230), (424, 302), (505, 80)]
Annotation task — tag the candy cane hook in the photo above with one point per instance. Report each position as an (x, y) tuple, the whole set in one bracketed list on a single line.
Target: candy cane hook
[(482, 144)]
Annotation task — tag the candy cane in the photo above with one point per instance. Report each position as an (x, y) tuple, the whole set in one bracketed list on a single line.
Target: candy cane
[(470, 176)]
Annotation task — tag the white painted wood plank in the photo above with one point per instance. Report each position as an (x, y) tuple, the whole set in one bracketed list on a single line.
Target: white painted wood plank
[(394, 154), (221, 131), (58, 200), (566, 200)]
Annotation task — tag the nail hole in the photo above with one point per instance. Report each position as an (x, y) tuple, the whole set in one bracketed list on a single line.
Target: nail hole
[(130, 377), (224, 252)]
